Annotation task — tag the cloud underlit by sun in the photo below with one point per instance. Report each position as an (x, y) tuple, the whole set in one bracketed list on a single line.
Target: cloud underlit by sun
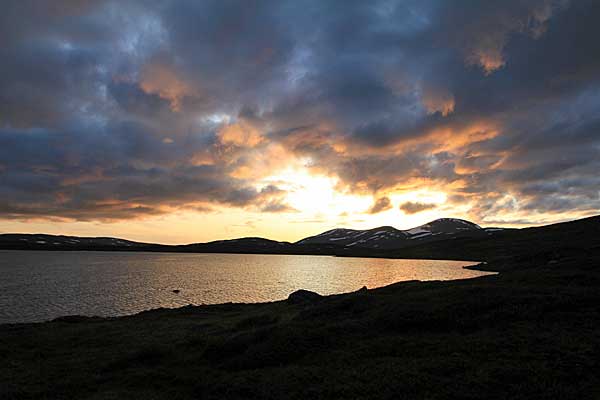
[(315, 194), (181, 121)]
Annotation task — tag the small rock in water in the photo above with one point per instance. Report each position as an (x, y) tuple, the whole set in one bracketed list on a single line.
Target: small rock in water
[(303, 296), (176, 291)]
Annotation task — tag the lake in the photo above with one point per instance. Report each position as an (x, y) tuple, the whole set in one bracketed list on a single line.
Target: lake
[(42, 285)]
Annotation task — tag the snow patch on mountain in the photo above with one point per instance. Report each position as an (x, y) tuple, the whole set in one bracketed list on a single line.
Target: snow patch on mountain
[(416, 231), (420, 235)]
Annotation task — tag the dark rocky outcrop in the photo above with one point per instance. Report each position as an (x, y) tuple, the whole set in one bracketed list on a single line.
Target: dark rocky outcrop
[(303, 296)]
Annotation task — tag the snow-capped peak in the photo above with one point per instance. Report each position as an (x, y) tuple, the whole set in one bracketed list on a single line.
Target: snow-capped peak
[(390, 237)]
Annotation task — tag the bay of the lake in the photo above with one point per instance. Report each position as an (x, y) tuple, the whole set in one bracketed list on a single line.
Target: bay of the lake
[(42, 285)]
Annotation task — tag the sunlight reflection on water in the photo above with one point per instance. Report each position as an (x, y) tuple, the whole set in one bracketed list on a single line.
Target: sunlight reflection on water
[(41, 285)]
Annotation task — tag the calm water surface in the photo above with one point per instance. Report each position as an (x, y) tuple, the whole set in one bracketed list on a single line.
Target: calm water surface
[(41, 285)]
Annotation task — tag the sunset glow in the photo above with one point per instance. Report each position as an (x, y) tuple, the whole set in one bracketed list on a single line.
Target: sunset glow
[(180, 122), (317, 195)]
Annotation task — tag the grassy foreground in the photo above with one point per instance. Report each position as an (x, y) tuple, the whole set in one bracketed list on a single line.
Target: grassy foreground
[(531, 333)]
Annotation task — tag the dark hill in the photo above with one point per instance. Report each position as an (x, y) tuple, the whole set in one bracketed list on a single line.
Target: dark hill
[(21, 241), (529, 246), (242, 245)]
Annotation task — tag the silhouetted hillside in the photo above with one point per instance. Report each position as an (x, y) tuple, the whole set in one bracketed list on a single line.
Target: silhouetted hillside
[(529, 246), (388, 237), (446, 238)]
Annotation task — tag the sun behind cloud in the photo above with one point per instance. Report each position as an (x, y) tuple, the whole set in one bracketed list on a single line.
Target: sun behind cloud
[(317, 194)]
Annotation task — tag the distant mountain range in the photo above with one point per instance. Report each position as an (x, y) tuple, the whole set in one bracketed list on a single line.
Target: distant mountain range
[(335, 241), (388, 237), (446, 238)]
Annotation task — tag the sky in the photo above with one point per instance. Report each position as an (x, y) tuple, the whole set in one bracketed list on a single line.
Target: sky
[(182, 121)]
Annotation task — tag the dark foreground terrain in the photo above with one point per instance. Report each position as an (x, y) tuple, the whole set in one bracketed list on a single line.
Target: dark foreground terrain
[(531, 332)]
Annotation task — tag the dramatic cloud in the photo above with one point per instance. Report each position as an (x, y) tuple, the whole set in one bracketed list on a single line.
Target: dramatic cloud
[(113, 110), (380, 205)]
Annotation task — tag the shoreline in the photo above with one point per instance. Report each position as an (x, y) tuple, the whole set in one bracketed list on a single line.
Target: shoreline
[(429, 339), (110, 317), (388, 255)]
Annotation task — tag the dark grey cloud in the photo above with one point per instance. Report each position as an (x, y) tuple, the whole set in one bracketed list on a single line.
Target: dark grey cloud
[(113, 109), (118, 173), (380, 205), (277, 207), (411, 207)]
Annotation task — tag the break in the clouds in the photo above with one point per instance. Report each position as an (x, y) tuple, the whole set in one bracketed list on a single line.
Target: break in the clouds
[(113, 110)]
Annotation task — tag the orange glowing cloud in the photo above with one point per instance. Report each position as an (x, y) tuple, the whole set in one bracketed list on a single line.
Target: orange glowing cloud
[(489, 59), (262, 161), (473, 162), (490, 41), (163, 81), (240, 134), (438, 100), (455, 139)]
